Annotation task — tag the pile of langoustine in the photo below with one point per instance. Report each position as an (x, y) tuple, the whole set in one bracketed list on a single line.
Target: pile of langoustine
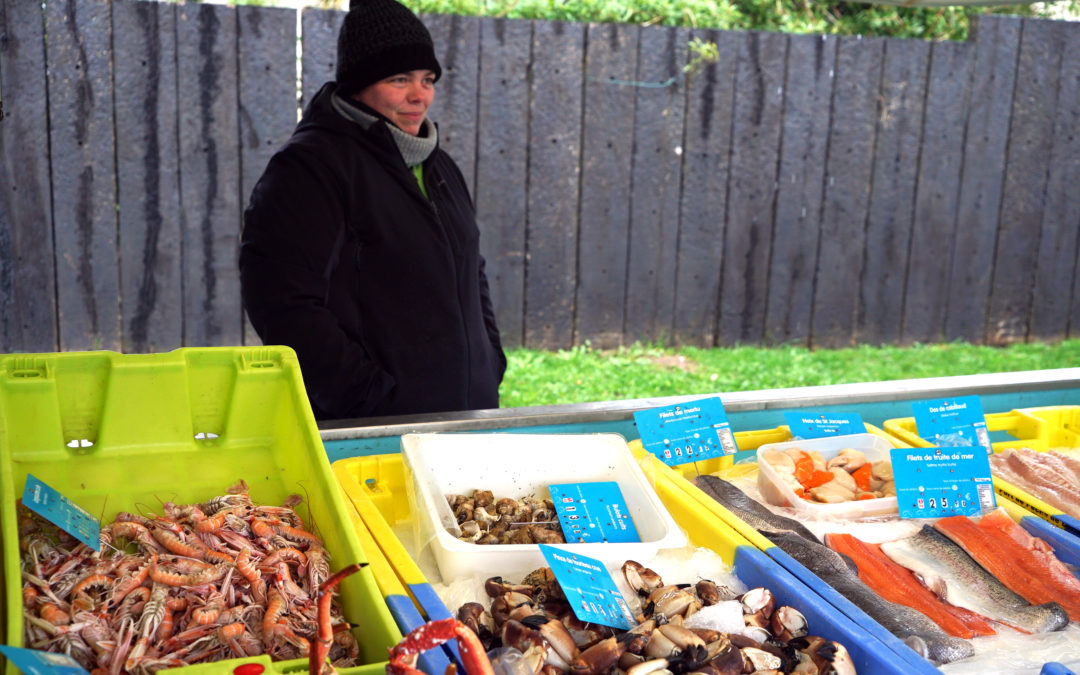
[(535, 618), (223, 579)]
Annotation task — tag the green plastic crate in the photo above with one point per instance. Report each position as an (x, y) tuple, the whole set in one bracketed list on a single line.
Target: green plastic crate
[(126, 432)]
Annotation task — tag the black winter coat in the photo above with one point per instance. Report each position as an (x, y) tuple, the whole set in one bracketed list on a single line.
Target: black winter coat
[(380, 291)]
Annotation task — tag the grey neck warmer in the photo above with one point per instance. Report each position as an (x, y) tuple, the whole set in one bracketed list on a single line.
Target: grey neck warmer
[(413, 149)]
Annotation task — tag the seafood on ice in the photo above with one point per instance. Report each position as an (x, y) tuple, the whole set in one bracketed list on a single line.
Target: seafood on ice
[(702, 627), (849, 476), (1053, 477), (949, 582), (227, 578), (486, 519), (898, 584), (1025, 564), (909, 625)]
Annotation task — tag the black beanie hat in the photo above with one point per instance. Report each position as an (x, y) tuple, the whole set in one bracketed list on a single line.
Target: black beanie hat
[(380, 38)]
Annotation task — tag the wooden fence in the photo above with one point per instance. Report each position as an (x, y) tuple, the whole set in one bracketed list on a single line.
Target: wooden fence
[(804, 189)]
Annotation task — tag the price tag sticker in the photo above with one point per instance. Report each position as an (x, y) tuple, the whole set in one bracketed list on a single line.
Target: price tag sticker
[(34, 662), (593, 512), (589, 588), (62, 512), (952, 422), (686, 432), (819, 425), (941, 482)]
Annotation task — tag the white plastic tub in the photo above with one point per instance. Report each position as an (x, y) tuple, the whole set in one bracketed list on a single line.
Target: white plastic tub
[(776, 492), (516, 466)]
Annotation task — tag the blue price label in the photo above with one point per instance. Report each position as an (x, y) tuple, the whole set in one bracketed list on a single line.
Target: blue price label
[(62, 512), (593, 512), (952, 422), (33, 662), (819, 425), (686, 432), (942, 482), (589, 588)]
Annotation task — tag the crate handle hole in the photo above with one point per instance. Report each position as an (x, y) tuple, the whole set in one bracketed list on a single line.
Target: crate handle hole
[(262, 364), (78, 443), (205, 436), (371, 484), (26, 373)]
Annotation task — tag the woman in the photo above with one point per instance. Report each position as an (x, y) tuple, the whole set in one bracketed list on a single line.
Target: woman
[(360, 248)]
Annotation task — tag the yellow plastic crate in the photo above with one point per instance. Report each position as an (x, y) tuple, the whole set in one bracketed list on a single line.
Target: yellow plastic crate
[(376, 486), (117, 432), (1036, 428), (1040, 429)]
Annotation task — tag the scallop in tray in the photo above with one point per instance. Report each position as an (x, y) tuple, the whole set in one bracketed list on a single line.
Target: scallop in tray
[(872, 449), (519, 466)]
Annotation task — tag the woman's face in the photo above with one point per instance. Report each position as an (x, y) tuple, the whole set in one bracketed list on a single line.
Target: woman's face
[(403, 98)]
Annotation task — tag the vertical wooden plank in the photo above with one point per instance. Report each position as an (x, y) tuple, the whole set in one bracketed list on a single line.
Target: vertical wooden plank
[(704, 197), (27, 267), (937, 192), (892, 199), (996, 43), (848, 174), (457, 46), (656, 179), (148, 176), (318, 45), (267, 72), (808, 89), (607, 151), (554, 169), (84, 178), (501, 159), (755, 150), (1055, 271), (209, 174), (1031, 138)]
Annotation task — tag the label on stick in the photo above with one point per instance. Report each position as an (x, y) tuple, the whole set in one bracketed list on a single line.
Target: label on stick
[(593, 512), (807, 425), (952, 422), (942, 482), (589, 588), (686, 432), (62, 512)]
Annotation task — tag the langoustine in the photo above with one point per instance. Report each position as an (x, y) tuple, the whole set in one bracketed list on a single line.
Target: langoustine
[(223, 579)]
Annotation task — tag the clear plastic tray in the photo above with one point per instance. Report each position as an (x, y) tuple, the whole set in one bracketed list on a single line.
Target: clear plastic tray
[(776, 492)]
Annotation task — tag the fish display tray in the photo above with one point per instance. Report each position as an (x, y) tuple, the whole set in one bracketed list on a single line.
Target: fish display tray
[(1064, 545), (115, 432), (378, 483), (775, 491), (1040, 429), (517, 466)]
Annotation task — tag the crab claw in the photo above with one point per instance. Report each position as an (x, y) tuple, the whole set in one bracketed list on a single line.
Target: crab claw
[(640, 578), (599, 658)]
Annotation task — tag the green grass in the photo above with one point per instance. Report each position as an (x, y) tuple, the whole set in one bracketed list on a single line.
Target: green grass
[(583, 374)]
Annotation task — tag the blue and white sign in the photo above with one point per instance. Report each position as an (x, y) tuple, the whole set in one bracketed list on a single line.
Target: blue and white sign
[(952, 422), (62, 512), (941, 482), (34, 662), (686, 432), (589, 588), (593, 512), (807, 425)]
